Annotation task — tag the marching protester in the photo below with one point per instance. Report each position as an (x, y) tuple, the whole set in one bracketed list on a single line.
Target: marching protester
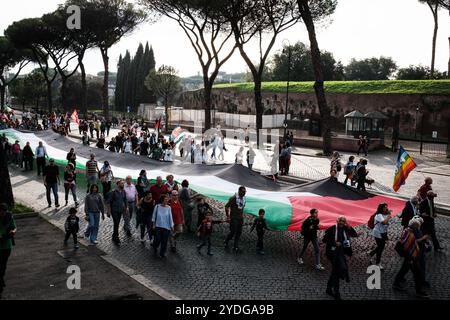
[(381, 221), (145, 206), (409, 247), (8, 230), (349, 170), (410, 210), (205, 230), (362, 173), (132, 199), (250, 157), (72, 157), (309, 232), (428, 213), (234, 210), (143, 184), (158, 190), (27, 157), (70, 183), (106, 178), (16, 151), (41, 154), (171, 184), (336, 163), (202, 209), (185, 198), (93, 207), (91, 172), (178, 219), (118, 207), (162, 225), (362, 145), (423, 190), (51, 182), (260, 225), (338, 245), (72, 226), (239, 156)]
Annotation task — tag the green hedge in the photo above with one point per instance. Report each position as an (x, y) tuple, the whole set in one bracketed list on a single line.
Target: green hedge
[(352, 87)]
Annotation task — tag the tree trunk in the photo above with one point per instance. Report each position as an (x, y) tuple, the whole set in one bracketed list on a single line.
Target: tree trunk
[(63, 93), (448, 71), (49, 96), (83, 89), (105, 96), (2, 96), (433, 53), (207, 95), (6, 192), (318, 74), (258, 105)]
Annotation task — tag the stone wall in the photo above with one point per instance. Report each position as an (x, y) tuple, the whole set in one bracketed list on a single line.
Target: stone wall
[(435, 108)]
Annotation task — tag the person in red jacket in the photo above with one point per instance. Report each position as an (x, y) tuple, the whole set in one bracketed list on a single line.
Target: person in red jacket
[(158, 190), (178, 219)]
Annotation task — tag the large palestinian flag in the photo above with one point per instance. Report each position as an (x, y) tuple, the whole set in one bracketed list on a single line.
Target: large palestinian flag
[(286, 205)]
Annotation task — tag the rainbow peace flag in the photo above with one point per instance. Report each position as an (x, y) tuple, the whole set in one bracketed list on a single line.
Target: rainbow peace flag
[(405, 164)]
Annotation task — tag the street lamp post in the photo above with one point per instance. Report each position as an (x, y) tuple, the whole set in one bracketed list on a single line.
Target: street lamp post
[(415, 131), (287, 86)]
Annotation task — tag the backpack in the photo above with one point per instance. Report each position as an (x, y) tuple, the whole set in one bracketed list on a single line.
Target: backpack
[(348, 169), (371, 222)]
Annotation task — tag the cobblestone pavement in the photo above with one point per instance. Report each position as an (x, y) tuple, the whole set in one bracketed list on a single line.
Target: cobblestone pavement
[(276, 275)]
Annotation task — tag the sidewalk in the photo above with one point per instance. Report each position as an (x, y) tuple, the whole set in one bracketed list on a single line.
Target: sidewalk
[(38, 264)]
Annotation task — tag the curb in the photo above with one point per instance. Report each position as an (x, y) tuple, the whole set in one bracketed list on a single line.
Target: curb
[(128, 271), (141, 279), (20, 216)]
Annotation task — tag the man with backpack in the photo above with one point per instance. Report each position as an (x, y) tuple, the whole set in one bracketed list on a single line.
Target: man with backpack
[(408, 247)]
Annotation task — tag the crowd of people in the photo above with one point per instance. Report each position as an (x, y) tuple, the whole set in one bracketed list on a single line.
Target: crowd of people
[(161, 211)]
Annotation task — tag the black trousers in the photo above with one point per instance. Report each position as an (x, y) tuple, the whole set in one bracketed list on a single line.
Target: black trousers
[(106, 188), (362, 148), (4, 256), (381, 243), (416, 271), (206, 240), (116, 216), (161, 238), (333, 280), (28, 163), (40, 163), (235, 231), (71, 233), (260, 241), (434, 239)]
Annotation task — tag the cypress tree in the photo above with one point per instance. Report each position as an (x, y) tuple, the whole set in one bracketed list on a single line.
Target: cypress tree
[(126, 88), (138, 76), (118, 100)]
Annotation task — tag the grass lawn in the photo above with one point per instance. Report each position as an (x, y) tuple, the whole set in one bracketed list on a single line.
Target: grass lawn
[(20, 208), (351, 87)]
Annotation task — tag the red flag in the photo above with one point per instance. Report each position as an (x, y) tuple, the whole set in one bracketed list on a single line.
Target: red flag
[(157, 124), (75, 117)]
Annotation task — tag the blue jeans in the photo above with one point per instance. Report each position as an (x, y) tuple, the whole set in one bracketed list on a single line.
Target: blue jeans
[(54, 188), (94, 222)]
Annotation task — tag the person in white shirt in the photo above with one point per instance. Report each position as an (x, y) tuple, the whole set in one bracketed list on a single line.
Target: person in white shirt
[(128, 146), (221, 146), (239, 156), (168, 155), (132, 198), (41, 154), (198, 154), (382, 219)]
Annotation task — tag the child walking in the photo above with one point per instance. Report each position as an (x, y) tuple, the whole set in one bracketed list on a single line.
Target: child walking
[(72, 226), (260, 225), (204, 231)]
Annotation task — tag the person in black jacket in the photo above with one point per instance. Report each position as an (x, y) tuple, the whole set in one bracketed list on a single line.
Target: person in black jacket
[(260, 225), (362, 173), (72, 226), (338, 246), (428, 213), (309, 231), (27, 157), (409, 211)]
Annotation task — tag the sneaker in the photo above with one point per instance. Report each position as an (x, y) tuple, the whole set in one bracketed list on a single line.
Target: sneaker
[(320, 267), (49, 205), (76, 247), (56, 205), (261, 252), (95, 242), (236, 250), (300, 261), (77, 204), (142, 240), (422, 295), (210, 253), (66, 204), (225, 243)]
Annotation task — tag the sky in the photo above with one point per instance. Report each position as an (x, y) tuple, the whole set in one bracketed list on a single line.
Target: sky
[(401, 29)]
